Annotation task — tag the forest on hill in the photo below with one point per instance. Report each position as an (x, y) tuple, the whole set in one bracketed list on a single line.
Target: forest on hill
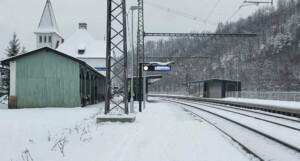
[(268, 62)]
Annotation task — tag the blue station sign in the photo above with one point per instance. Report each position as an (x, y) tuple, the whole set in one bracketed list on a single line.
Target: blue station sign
[(100, 68), (162, 68), (157, 68)]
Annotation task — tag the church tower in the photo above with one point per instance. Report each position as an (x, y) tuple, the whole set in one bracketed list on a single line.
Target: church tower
[(47, 34)]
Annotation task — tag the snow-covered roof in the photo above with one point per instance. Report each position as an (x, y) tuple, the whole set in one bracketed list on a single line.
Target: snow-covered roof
[(47, 23), (7, 60), (82, 39)]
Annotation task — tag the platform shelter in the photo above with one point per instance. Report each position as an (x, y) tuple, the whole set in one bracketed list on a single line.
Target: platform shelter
[(215, 88)]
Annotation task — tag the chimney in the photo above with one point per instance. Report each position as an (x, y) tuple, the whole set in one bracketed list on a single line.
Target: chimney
[(83, 26)]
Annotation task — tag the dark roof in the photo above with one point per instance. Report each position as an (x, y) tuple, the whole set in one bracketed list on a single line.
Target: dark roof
[(148, 77), (212, 80), (6, 61)]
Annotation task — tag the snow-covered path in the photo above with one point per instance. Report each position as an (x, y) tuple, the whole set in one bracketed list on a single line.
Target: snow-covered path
[(162, 132), (165, 132)]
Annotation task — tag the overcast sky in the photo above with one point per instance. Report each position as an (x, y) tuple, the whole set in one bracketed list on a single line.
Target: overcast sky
[(23, 16)]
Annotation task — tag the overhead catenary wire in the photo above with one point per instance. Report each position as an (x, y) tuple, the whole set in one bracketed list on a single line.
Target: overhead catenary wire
[(195, 18), (215, 6), (248, 3), (233, 14)]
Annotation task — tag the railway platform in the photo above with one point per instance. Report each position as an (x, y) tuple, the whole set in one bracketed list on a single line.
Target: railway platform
[(279, 109)]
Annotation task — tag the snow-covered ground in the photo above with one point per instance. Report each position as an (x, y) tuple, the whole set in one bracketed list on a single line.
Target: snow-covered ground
[(288, 104), (162, 132), (4, 102), (3, 106)]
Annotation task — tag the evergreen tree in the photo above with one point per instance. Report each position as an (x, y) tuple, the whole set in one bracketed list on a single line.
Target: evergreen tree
[(23, 50), (14, 46)]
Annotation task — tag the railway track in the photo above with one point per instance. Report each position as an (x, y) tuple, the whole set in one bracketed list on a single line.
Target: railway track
[(227, 135), (254, 141), (225, 108), (276, 110), (254, 111)]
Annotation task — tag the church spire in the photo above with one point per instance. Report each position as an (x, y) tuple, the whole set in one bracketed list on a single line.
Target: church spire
[(48, 22), (47, 33)]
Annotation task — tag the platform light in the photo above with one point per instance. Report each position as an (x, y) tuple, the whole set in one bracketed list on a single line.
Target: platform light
[(157, 68), (146, 68)]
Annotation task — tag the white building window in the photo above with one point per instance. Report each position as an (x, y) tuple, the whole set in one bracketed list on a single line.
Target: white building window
[(45, 39), (41, 39), (49, 39)]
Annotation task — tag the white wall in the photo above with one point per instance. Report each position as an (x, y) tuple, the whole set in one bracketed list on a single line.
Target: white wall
[(52, 44), (56, 38), (96, 62), (12, 81)]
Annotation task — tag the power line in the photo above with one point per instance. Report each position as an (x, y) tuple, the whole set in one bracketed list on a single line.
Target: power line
[(199, 35), (233, 14), (195, 18), (210, 13), (248, 3)]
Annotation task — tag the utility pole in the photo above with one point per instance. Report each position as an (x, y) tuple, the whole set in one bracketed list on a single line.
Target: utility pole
[(132, 8), (237, 78), (116, 43), (144, 89), (140, 39), (131, 82)]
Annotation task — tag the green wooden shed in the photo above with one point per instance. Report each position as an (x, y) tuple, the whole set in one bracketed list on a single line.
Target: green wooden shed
[(48, 78)]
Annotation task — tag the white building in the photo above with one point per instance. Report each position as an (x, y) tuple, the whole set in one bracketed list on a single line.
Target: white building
[(83, 46), (47, 34), (80, 44)]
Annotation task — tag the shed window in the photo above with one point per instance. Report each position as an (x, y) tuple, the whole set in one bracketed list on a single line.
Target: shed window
[(45, 39), (231, 87), (41, 39), (50, 39)]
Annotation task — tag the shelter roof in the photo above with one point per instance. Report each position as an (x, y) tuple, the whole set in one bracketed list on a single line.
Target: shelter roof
[(47, 49), (211, 80), (148, 77)]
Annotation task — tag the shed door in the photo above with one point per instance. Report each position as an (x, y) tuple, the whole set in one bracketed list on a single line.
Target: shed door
[(215, 90)]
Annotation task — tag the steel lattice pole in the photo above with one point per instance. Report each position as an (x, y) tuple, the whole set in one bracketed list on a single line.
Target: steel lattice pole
[(116, 43), (140, 41)]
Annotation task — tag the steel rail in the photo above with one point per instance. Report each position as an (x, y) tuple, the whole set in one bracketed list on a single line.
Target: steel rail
[(232, 138), (292, 147), (241, 109), (272, 122), (266, 108)]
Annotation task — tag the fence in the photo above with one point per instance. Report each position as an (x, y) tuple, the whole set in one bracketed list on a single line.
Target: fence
[(170, 93), (280, 96), (184, 93)]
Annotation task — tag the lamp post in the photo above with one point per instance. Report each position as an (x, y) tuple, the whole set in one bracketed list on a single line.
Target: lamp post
[(237, 78), (132, 8), (144, 85), (140, 79), (189, 89), (144, 90)]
